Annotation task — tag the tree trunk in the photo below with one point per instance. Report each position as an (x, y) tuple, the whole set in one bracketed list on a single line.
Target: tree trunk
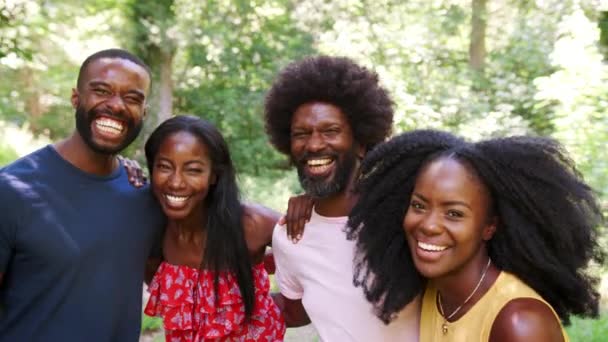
[(160, 104), (31, 93), (165, 87), (477, 48)]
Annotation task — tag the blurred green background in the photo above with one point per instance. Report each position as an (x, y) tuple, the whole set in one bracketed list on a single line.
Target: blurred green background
[(478, 68)]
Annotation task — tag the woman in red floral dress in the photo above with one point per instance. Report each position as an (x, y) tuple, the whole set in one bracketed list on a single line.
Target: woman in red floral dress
[(211, 284)]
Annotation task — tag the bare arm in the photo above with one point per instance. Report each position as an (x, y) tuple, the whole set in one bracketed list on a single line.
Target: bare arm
[(293, 311), (526, 319), (258, 222)]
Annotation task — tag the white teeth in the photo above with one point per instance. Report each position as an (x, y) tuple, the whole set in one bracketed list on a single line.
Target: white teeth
[(319, 169), (319, 166), (319, 162), (108, 125), (176, 199), (430, 247)]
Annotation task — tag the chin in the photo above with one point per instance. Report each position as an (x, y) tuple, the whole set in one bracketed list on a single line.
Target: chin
[(175, 215), (426, 270)]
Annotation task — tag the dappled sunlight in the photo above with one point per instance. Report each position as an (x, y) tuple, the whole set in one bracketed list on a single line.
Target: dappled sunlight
[(20, 139), (545, 70)]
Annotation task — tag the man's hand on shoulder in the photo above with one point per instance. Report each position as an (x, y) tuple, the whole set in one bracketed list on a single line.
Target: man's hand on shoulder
[(134, 172), (299, 211)]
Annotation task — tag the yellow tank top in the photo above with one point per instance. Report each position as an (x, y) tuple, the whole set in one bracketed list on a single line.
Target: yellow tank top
[(476, 324)]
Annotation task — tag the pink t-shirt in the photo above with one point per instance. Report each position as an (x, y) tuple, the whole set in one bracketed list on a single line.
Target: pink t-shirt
[(319, 270)]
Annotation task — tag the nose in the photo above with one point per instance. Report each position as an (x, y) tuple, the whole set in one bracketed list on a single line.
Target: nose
[(116, 104), (316, 142), (176, 181), (431, 224)]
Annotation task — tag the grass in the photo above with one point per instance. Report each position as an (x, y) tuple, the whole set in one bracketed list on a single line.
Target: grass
[(150, 324), (588, 330)]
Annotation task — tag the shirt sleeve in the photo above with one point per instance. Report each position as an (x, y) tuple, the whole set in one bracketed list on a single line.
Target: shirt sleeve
[(288, 283), (7, 226)]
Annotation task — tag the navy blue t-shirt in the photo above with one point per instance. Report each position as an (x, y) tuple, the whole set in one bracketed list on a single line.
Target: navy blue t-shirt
[(73, 248)]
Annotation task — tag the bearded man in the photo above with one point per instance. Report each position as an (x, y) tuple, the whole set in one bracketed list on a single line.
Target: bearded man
[(325, 113), (75, 235)]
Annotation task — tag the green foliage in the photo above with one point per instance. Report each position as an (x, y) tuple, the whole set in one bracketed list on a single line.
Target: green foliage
[(224, 54), (234, 51), (272, 190), (603, 26), (150, 324), (588, 330), (7, 154), (12, 16)]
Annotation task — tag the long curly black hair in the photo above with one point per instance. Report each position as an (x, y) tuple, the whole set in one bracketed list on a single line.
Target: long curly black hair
[(548, 218), (334, 80)]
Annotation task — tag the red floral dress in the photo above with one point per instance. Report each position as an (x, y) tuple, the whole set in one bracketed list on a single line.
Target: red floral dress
[(184, 297)]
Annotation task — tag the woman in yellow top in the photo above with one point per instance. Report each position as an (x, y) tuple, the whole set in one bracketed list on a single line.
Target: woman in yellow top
[(500, 233)]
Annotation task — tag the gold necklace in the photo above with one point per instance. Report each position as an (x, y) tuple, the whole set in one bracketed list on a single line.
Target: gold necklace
[(444, 326)]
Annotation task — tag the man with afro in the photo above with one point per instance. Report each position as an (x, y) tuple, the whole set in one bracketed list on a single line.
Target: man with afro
[(325, 113)]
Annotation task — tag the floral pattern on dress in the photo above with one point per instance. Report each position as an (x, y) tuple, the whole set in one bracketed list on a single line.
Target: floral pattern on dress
[(184, 297)]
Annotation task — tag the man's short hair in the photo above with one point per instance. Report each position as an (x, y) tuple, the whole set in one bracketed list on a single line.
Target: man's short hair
[(111, 53)]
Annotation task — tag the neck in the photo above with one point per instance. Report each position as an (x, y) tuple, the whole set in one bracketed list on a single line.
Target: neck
[(79, 154), (336, 205), (339, 204), (455, 288), (191, 228)]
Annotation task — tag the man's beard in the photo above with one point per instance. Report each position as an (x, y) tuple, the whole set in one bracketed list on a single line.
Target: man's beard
[(84, 120), (323, 187)]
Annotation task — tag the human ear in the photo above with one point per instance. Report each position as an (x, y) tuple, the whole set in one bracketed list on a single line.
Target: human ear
[(145, 111), (360, 151), (75, 98), (490, 229)]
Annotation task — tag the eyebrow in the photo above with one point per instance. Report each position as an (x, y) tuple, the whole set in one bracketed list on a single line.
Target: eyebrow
[(166, 159), (98, 83), (424, 199), (104, 84), (202, 162)]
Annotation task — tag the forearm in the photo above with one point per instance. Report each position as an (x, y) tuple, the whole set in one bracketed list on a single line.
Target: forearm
[(293, 311)]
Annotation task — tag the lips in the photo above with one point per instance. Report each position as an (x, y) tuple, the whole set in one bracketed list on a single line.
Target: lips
[(175, 201), (430, 252)]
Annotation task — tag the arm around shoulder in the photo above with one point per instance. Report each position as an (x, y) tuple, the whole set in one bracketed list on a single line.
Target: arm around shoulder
[(259, 222), (526, 319)]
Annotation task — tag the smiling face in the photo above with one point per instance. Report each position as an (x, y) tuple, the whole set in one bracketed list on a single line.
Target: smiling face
[(110, 104), (323, 148), (182, 175), (448, 219)]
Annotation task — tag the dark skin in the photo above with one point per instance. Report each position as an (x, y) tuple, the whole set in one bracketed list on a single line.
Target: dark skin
[(126, 80), (129, 85), (183, 168), (185, 244), (299, 210), (136, 175), (526, 319), (450, 209), (322, 128), (319, 129)]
